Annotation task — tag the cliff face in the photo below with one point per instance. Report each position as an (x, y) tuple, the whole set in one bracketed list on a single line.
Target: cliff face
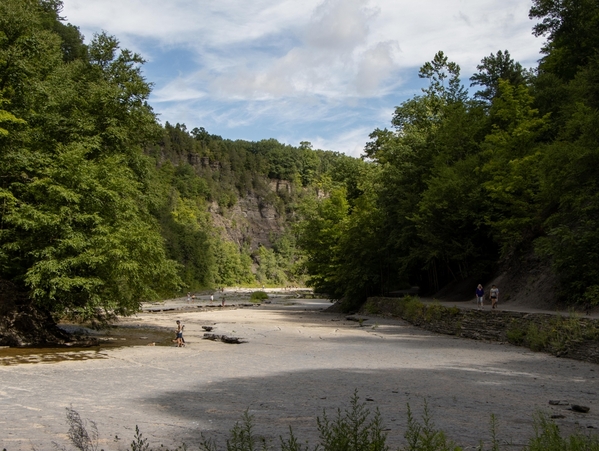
[(250, 221)]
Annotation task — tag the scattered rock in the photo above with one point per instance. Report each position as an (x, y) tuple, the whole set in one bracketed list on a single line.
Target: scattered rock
[(581, 409), (207, 328), (559, 403), (558, 416), (223, 338)]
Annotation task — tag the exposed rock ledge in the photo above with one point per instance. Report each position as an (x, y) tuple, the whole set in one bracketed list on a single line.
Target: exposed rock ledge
[(23, 324)]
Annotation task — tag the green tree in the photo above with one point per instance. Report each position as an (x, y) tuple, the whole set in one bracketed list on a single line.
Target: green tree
[(572, 31), (494, 68), (512, 167), (75, 228)]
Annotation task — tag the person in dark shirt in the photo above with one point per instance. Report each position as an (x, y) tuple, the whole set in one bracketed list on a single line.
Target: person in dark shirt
[(480, 296)]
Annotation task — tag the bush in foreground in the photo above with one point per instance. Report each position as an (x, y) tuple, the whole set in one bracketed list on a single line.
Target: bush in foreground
[(356, 428)]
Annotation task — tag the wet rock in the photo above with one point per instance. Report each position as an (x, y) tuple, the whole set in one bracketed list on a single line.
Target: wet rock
[(223, 338), (581, 409)]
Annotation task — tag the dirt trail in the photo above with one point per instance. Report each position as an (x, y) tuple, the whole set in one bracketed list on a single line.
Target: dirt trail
[(297, 361)]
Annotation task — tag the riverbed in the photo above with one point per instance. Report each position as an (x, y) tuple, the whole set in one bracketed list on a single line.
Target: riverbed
[(296, 362)]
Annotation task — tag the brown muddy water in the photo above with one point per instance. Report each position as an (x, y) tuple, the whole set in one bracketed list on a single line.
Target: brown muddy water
[(113, 337)]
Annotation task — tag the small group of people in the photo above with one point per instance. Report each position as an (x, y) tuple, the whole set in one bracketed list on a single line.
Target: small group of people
[(493, 294)]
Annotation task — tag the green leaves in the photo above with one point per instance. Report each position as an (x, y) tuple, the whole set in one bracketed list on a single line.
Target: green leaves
[(75, 225)]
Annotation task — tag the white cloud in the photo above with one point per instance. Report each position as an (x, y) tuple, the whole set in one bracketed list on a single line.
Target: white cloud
[(350, 142), (287, 62)]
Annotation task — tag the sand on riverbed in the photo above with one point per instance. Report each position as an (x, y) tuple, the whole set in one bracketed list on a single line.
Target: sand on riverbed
[(296, 363)]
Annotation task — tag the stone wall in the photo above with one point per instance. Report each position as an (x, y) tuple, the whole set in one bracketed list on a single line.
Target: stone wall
[(576, 338)]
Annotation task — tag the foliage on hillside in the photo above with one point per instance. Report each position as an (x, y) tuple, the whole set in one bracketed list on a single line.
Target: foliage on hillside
[(199, 172), (461, 182), (103, 208), (75, 225)]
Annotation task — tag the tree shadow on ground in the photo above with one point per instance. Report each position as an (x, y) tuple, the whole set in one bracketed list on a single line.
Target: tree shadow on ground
[(461, 399)]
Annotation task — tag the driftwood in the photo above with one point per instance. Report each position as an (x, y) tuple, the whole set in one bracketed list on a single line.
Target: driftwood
[(223, 338)]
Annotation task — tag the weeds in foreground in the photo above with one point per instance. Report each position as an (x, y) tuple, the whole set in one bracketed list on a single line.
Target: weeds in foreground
[(78, 433), (424, 436), (356, 428), (547, 437)]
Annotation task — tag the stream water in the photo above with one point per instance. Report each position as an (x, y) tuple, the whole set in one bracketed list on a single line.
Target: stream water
[(108, 338)]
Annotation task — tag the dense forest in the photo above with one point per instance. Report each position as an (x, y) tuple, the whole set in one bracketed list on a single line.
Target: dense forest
[(463, 183), (102, 207)]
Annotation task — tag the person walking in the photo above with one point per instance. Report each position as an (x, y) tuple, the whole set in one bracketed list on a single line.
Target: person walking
[(494, 296), (480, 296), (179, 332)]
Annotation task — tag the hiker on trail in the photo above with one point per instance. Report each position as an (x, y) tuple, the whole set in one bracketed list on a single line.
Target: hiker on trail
[(222, 302), (494, 296), (211, 298), (179, 331), (480, 296)]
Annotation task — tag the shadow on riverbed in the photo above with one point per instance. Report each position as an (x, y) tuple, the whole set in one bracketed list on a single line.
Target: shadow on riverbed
[(461, 401)]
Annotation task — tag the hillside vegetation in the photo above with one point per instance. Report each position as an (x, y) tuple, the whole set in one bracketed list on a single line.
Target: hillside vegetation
[(102, 207), (463, 184)]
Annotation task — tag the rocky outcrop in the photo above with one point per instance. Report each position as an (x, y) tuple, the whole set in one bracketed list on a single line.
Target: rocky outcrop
[(250, 221), (24, 324), (280, 186)]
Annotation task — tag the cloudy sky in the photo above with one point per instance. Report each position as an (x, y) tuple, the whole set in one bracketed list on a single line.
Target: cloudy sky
[(324, 71)]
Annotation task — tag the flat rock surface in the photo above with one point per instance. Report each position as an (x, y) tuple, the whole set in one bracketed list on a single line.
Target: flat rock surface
[(297, 361)]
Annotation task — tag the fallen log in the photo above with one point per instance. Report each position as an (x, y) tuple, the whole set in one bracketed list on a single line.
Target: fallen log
[(223, 338)]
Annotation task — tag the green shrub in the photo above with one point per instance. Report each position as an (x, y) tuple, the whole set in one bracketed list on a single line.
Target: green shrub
[(371, 308), (411, 308), (547, 437), (434, 312), (515, 335), (425, 436), (353, 429), (258, 296), (537, 337)]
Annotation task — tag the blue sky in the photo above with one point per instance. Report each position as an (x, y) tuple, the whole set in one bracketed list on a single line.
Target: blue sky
[(324, 71)]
